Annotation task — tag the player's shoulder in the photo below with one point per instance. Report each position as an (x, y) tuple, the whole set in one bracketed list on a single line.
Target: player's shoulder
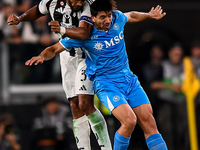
[(86, 5), (118, 13), (119, 16)]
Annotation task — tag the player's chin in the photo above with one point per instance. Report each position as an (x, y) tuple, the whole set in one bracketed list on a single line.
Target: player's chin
[(107, 28), (76, 8)]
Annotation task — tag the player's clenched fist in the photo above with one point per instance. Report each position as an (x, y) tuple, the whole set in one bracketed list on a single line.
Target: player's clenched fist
[(55, 27), (34, 60), (13, 20)]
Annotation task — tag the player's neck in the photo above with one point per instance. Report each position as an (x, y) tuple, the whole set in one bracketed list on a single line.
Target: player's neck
[(99, 28)]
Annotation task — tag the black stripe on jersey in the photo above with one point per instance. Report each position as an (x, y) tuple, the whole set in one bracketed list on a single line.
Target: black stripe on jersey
[(83, 54), (48, 4), (72, 52), (58, 16), (75, 20), (74, 15)]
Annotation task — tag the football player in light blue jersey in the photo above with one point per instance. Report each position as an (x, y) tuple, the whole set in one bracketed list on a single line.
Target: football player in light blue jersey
[(107, 65)]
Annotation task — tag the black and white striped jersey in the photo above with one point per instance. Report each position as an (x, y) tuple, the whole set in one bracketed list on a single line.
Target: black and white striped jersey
[(60, 11)]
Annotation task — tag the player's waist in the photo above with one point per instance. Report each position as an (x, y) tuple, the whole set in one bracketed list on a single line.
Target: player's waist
[(114, 73)]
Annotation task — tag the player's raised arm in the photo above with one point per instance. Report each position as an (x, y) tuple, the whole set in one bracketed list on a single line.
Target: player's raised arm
[(79, 33), (84, 29), (29, 15), (155, 13), (45, 55)]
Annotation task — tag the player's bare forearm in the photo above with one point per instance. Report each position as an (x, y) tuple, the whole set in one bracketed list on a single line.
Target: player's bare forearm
[(46, 54), (79, 33), (29, 15), (51, 51), (154, 13)]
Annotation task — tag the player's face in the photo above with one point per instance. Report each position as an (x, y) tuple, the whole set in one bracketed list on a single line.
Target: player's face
[(76, 4), (103, 20)]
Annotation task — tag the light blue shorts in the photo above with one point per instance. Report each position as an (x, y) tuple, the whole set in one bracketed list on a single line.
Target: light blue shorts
[(123, 90)]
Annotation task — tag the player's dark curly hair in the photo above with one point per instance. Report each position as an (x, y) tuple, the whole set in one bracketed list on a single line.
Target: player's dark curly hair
[(102, 5)]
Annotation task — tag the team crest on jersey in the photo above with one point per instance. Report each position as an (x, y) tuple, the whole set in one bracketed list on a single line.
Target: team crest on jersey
[(98, 46), (62, 3), (116, 98), (116, 26)]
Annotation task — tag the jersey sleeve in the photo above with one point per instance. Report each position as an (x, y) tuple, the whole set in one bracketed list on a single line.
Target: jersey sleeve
[(42, 7), (70, 43), (122, 16), (86, 14)]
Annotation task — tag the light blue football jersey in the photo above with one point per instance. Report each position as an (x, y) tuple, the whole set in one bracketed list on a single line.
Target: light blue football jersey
[(106, 55)]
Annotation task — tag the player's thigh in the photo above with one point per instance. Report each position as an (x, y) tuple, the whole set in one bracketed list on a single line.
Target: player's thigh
[(109, 94), (83, 84), (68, 72), (137, 95)]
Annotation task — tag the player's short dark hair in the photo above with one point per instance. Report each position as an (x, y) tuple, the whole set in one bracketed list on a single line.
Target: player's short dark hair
[(102, 5)]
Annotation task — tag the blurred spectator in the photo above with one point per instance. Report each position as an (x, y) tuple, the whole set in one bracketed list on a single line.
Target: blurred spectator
[(53, 130), (153, 71), (19, 5), (172, 112), (37, 32), (37, 36), (22, 6), (195, 58), (10, 34), (9, 134)]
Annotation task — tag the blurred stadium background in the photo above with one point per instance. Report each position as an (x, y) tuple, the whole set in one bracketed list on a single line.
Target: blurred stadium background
[(23, 89)]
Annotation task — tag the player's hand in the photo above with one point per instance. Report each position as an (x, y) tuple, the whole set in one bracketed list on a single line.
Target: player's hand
[(157, 13), (13, 20), (34, 60), (55, 26)]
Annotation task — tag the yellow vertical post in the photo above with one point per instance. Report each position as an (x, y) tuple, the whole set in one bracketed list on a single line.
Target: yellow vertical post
[(190, 88)]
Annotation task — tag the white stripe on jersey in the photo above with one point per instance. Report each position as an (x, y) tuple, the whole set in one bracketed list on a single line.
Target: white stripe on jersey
[(86, 51), (110, 105), (52, 7)]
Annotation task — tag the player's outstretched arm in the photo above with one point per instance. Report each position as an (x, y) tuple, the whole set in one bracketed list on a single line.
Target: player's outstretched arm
[(45, 55), (29, 15), (155, 13), (79, 33)]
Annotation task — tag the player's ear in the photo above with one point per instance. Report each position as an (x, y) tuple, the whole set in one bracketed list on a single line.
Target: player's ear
[(93, 18)]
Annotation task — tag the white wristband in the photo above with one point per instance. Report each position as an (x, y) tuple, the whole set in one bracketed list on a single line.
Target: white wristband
[(62, 30)]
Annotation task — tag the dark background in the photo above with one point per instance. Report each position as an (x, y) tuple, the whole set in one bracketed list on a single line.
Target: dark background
[(181, 24)]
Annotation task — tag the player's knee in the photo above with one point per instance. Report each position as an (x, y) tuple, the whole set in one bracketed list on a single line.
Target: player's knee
[(130, 123), (148, 123), (86, 104), (86, 107), (74, 106)]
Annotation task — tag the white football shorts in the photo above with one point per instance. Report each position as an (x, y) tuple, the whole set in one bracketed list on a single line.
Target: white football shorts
[(74, 78)]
